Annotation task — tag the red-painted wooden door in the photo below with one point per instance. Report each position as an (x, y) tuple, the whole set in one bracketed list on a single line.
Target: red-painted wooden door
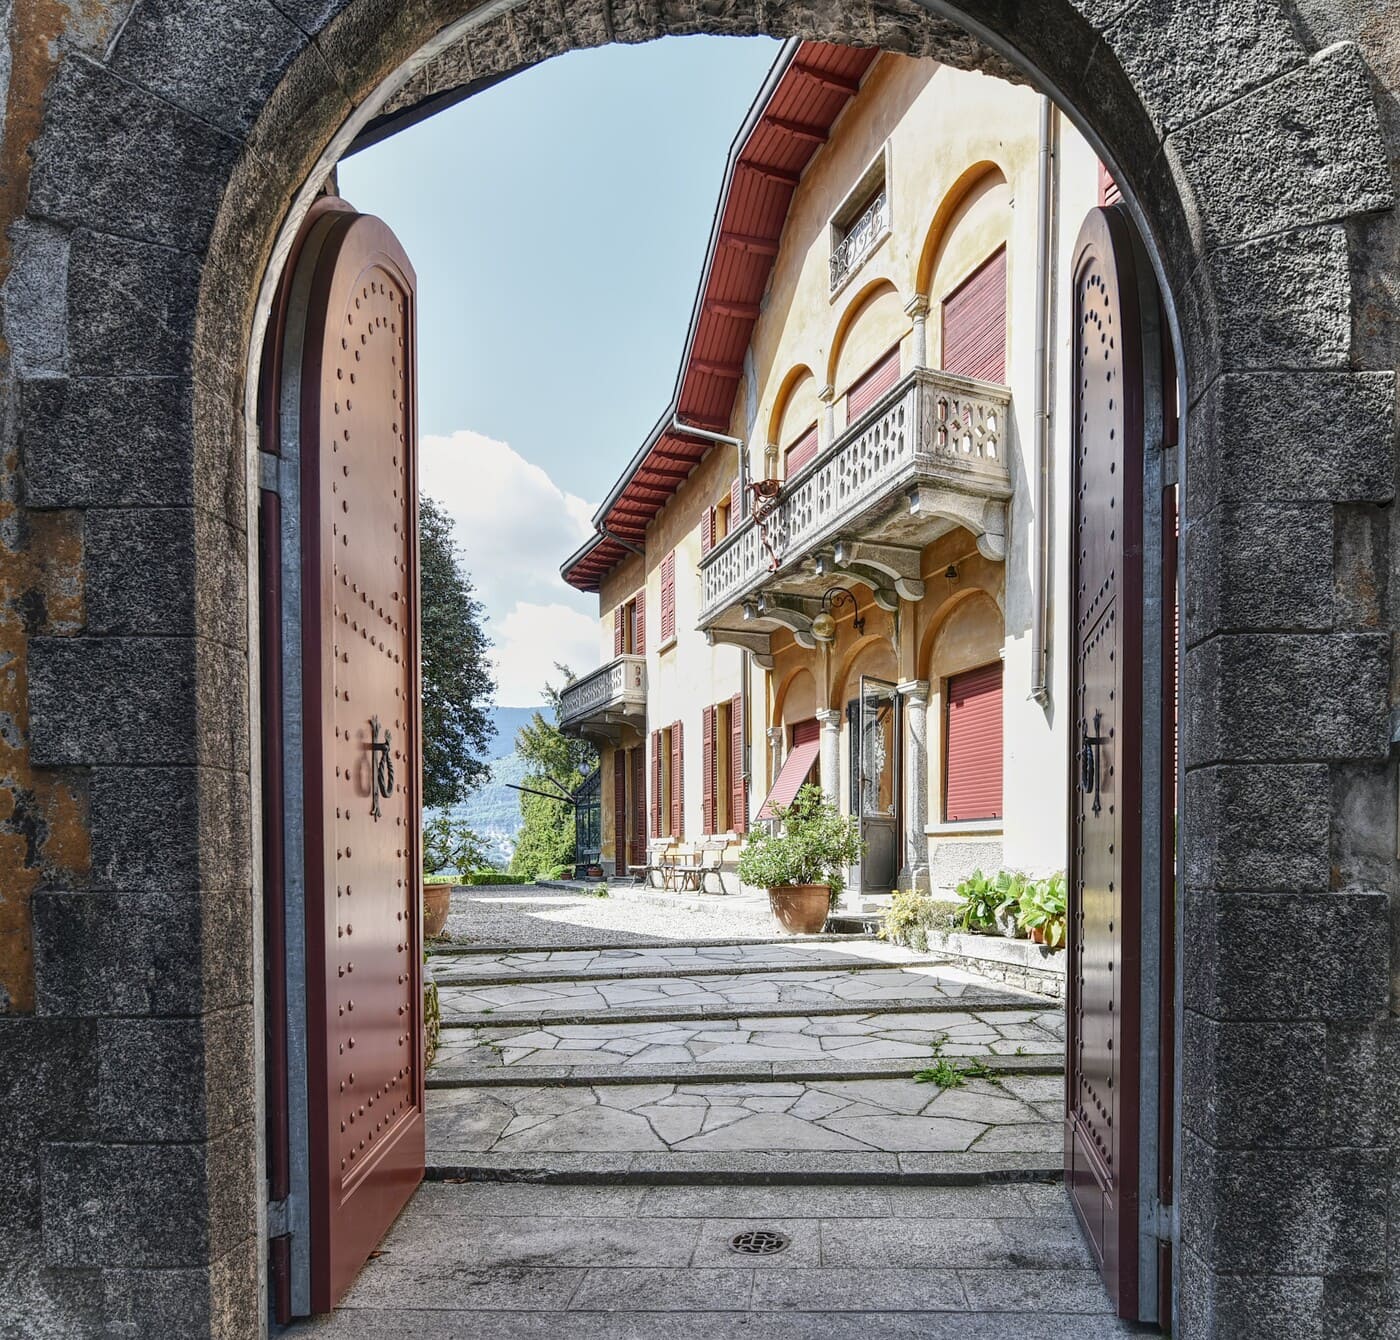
[(1105, 840), (359, 620)]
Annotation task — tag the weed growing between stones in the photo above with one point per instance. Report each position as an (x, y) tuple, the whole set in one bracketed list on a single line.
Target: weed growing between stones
[(952, 1074)]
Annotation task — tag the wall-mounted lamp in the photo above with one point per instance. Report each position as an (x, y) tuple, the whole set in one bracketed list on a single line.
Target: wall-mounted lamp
[(824, 625)]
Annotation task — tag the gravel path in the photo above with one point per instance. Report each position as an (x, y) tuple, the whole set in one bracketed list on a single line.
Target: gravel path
[(520, 916)]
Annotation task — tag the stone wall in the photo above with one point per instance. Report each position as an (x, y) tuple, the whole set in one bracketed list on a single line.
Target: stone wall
[(152, 153)]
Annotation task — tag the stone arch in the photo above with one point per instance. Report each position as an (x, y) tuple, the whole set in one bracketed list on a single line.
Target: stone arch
[(797, 698), (182, 158), (870, 324), (933, 629), (972, 178), (866, 651), (796, 408)]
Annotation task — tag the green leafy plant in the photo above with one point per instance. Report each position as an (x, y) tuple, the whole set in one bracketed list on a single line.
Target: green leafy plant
[(450, 846), (988, 902), (1044, 907), (951, 1074), (813, 845), (480, 877), (908, 910)]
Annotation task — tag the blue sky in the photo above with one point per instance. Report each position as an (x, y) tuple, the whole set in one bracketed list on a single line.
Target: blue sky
[(558, 224)]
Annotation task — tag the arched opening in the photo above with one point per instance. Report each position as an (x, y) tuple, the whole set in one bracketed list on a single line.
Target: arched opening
[(181, 142)]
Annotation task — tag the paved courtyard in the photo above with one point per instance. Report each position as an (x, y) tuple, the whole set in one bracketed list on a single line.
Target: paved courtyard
[(607, 1117)]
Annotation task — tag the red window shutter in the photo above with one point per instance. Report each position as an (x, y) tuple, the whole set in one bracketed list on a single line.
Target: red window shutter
[(874, 384), (804, 732), (639, 791), (639, 634), (974, 323), (656, 776), (972, 771), (801, 451), (677, 780), (707, 530), (620, 811), (617, 631), (736, 503), (707, 763), (668, 597), (738, 787), (1108, 188)]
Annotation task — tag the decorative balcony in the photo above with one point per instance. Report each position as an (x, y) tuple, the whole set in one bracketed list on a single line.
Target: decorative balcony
[(928, 457), (865, 234), (599, 705)]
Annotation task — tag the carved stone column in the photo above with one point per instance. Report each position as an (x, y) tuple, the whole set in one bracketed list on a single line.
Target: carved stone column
[(915, 872), (827, 395), (830, 757), (777, 735), (918, 308)]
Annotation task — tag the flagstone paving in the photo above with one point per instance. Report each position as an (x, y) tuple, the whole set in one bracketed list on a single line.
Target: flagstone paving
[(607, 1113), (802, 991), (855, 1039), (468, 967), (498, 1262)]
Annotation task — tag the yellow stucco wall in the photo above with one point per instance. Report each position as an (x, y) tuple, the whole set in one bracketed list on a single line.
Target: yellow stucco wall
[(961, 152)]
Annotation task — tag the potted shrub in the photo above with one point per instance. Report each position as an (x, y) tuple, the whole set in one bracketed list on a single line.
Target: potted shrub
[(1044, 908), (450, 849), (802, 864)]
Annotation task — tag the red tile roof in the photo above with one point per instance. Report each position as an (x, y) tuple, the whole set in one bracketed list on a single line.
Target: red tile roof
[(807, 90)]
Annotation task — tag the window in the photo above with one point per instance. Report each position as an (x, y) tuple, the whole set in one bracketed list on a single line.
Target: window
[(738, 783), (801, 451), (797, 769), (974, 323), (972, 756), (872, 385), (666, 784), (862, 222), (620, 812), (629, 626), (676, 744), (668, 599), (719, 809), (714, 524)]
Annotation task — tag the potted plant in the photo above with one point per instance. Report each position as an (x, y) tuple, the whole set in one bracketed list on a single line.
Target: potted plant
[(450, 849), (803, 863), (1044, 909)]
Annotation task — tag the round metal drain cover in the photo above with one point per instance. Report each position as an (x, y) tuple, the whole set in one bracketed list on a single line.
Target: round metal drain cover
[(759, 1242)]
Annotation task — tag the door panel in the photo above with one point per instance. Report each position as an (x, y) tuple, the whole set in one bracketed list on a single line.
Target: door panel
[(360, 659), (875, 783), (1103, 1051)]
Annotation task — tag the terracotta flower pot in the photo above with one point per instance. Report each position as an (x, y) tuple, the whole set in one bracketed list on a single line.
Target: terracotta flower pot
[(1038, 934), (800, 909), (437, 901)]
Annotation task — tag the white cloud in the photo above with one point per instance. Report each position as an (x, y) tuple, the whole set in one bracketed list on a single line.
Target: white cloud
[(515, 526), (514, 523), (531, 639)]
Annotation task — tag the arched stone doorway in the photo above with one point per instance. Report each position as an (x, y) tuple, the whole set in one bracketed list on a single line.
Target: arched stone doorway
[(173, 164)]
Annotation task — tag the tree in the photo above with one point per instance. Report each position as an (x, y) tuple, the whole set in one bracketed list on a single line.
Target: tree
[(555, 760), (458, 688)]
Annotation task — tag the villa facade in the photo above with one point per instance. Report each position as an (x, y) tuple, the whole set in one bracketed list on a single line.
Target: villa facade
[(837, 555)]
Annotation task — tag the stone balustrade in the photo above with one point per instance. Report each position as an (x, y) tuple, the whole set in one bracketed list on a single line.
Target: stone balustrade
[(611, 696)]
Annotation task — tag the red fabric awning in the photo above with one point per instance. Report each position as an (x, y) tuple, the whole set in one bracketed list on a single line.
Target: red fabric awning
[(790, 777)]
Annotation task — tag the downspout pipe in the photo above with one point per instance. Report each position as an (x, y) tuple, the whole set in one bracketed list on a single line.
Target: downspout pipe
[(1040, 676), (617, 539)]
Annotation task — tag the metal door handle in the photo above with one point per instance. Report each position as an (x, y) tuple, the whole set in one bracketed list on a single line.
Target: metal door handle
[(1089, 761), (381, 779)]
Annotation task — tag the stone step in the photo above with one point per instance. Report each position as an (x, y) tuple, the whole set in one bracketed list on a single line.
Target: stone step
[(470, 1077), (998, 1031), (791, 1131), (441, 948), (531, 967), (980, 1000), (809, 991)]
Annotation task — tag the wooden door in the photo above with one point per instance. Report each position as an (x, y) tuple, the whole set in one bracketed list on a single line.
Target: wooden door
[(1105, 840), (360, 675)]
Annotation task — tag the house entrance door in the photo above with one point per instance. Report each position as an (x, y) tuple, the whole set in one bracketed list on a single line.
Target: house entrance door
[(341, 699), (1119, 1034), (875, 784)]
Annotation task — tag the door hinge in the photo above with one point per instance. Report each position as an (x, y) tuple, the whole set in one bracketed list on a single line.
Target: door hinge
[(1160, 1219), (279, 1217), (268, 475)]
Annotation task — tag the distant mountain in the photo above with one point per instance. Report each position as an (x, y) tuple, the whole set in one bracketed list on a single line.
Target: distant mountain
[(493, 811), (507, 720)]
